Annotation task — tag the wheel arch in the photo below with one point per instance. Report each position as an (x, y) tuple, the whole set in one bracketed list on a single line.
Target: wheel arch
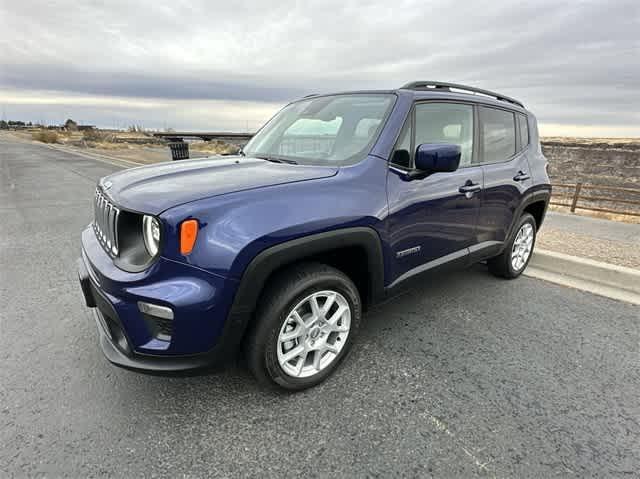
[(537, 209), (311, 247), (535, 202)]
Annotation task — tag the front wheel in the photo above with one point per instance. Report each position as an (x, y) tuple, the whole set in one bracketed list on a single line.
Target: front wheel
[(305, 325), (516, 255)]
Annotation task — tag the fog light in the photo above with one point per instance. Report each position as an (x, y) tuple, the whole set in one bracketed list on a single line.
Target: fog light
[(155, 310)]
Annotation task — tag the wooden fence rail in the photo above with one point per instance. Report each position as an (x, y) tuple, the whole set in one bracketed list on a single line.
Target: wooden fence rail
[(582, 196)]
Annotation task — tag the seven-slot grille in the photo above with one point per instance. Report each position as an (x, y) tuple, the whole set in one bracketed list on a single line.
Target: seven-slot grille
[(105, 223)]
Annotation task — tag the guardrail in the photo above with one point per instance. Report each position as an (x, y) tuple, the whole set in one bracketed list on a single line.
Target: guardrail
[(583, 196)]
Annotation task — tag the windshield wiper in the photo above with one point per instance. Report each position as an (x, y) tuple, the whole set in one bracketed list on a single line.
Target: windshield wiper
[(275, 159)]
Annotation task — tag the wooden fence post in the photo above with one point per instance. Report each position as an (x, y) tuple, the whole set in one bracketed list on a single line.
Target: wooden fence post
[(576, 195)]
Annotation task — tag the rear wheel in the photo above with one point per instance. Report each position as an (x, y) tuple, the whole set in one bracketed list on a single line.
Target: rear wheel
[(305, 325), (516, 255)]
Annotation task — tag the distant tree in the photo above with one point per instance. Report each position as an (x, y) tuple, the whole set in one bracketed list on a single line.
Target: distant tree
[(4, 125), (70, 125)]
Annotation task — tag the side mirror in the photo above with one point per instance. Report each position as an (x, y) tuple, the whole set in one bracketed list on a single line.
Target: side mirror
[(437, 157)]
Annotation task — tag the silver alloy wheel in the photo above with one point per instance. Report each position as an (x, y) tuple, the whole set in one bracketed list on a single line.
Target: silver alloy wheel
[(314, 333), (522, 247)]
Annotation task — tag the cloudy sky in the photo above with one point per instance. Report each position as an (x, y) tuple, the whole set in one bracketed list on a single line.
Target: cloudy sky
[(211, 65)]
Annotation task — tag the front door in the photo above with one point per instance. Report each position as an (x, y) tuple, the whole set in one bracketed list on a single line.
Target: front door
[(432, 221)]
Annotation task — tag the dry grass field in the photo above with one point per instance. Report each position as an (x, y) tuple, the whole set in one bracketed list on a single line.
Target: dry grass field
[(129, 145)]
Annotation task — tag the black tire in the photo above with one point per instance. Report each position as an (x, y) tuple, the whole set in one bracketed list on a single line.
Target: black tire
[(281, 296), (501, 265)]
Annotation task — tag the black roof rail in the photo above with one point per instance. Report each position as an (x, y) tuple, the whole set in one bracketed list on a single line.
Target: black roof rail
[(438, 85)]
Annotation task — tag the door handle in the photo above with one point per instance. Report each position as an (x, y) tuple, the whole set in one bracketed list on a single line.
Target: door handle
[(469, 189), (521, 176)]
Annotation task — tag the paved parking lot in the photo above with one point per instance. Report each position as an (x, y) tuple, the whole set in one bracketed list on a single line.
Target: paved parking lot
[(469, 376)]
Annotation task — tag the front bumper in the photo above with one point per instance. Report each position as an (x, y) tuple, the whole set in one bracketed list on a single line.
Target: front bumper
[(201, 333)]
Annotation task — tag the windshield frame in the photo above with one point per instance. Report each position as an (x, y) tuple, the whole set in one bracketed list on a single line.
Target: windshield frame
[(357, 157)]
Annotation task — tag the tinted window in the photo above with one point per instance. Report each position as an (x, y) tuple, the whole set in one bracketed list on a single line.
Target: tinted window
[(497, 134), (446, 123), (524, 131)]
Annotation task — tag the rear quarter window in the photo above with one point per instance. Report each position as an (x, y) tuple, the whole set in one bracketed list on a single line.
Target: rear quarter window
[(524, 131)]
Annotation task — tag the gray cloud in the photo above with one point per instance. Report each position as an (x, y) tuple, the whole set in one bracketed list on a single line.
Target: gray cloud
[(169, 85), (573, 63)]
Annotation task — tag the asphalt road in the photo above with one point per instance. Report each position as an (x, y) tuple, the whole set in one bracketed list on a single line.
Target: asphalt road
[(468, 376)]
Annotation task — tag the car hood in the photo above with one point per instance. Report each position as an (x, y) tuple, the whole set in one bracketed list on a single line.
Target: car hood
[(155, 188)]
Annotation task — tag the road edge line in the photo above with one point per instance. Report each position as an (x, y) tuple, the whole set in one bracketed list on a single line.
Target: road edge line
[(112, 160)]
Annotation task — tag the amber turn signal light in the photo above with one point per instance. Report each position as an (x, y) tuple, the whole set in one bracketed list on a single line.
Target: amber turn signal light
[(188, 235)]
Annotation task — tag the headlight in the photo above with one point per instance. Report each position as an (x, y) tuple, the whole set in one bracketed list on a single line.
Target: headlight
[(151, 234)]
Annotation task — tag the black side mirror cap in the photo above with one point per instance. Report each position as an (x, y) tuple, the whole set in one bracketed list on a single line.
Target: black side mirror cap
[(401, 158)]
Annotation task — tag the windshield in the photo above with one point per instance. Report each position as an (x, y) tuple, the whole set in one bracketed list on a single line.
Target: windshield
[(328, 130)]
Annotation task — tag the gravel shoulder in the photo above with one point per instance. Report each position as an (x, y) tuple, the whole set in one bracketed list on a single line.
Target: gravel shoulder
[(601, 240), (589, 247)]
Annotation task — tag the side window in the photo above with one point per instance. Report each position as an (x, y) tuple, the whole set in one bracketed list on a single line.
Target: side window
[(524, 131), (497, 134), (402, 154), (446, 123)]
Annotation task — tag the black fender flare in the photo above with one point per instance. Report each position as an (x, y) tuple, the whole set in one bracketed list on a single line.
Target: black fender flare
[(269, 260), (542, 193)]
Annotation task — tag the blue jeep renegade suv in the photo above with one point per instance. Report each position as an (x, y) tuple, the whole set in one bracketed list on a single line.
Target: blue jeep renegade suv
[(336, 202)]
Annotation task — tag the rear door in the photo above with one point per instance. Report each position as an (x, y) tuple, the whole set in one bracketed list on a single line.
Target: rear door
[(432, 221), (503, 146)]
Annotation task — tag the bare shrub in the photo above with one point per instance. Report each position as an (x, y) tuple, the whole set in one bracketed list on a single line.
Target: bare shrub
[(45, 136), (216, 147), (95, 135)]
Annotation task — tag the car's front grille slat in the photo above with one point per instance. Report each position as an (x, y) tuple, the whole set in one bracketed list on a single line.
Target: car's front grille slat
[(105, 222), (115, 247), (111, 229)]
